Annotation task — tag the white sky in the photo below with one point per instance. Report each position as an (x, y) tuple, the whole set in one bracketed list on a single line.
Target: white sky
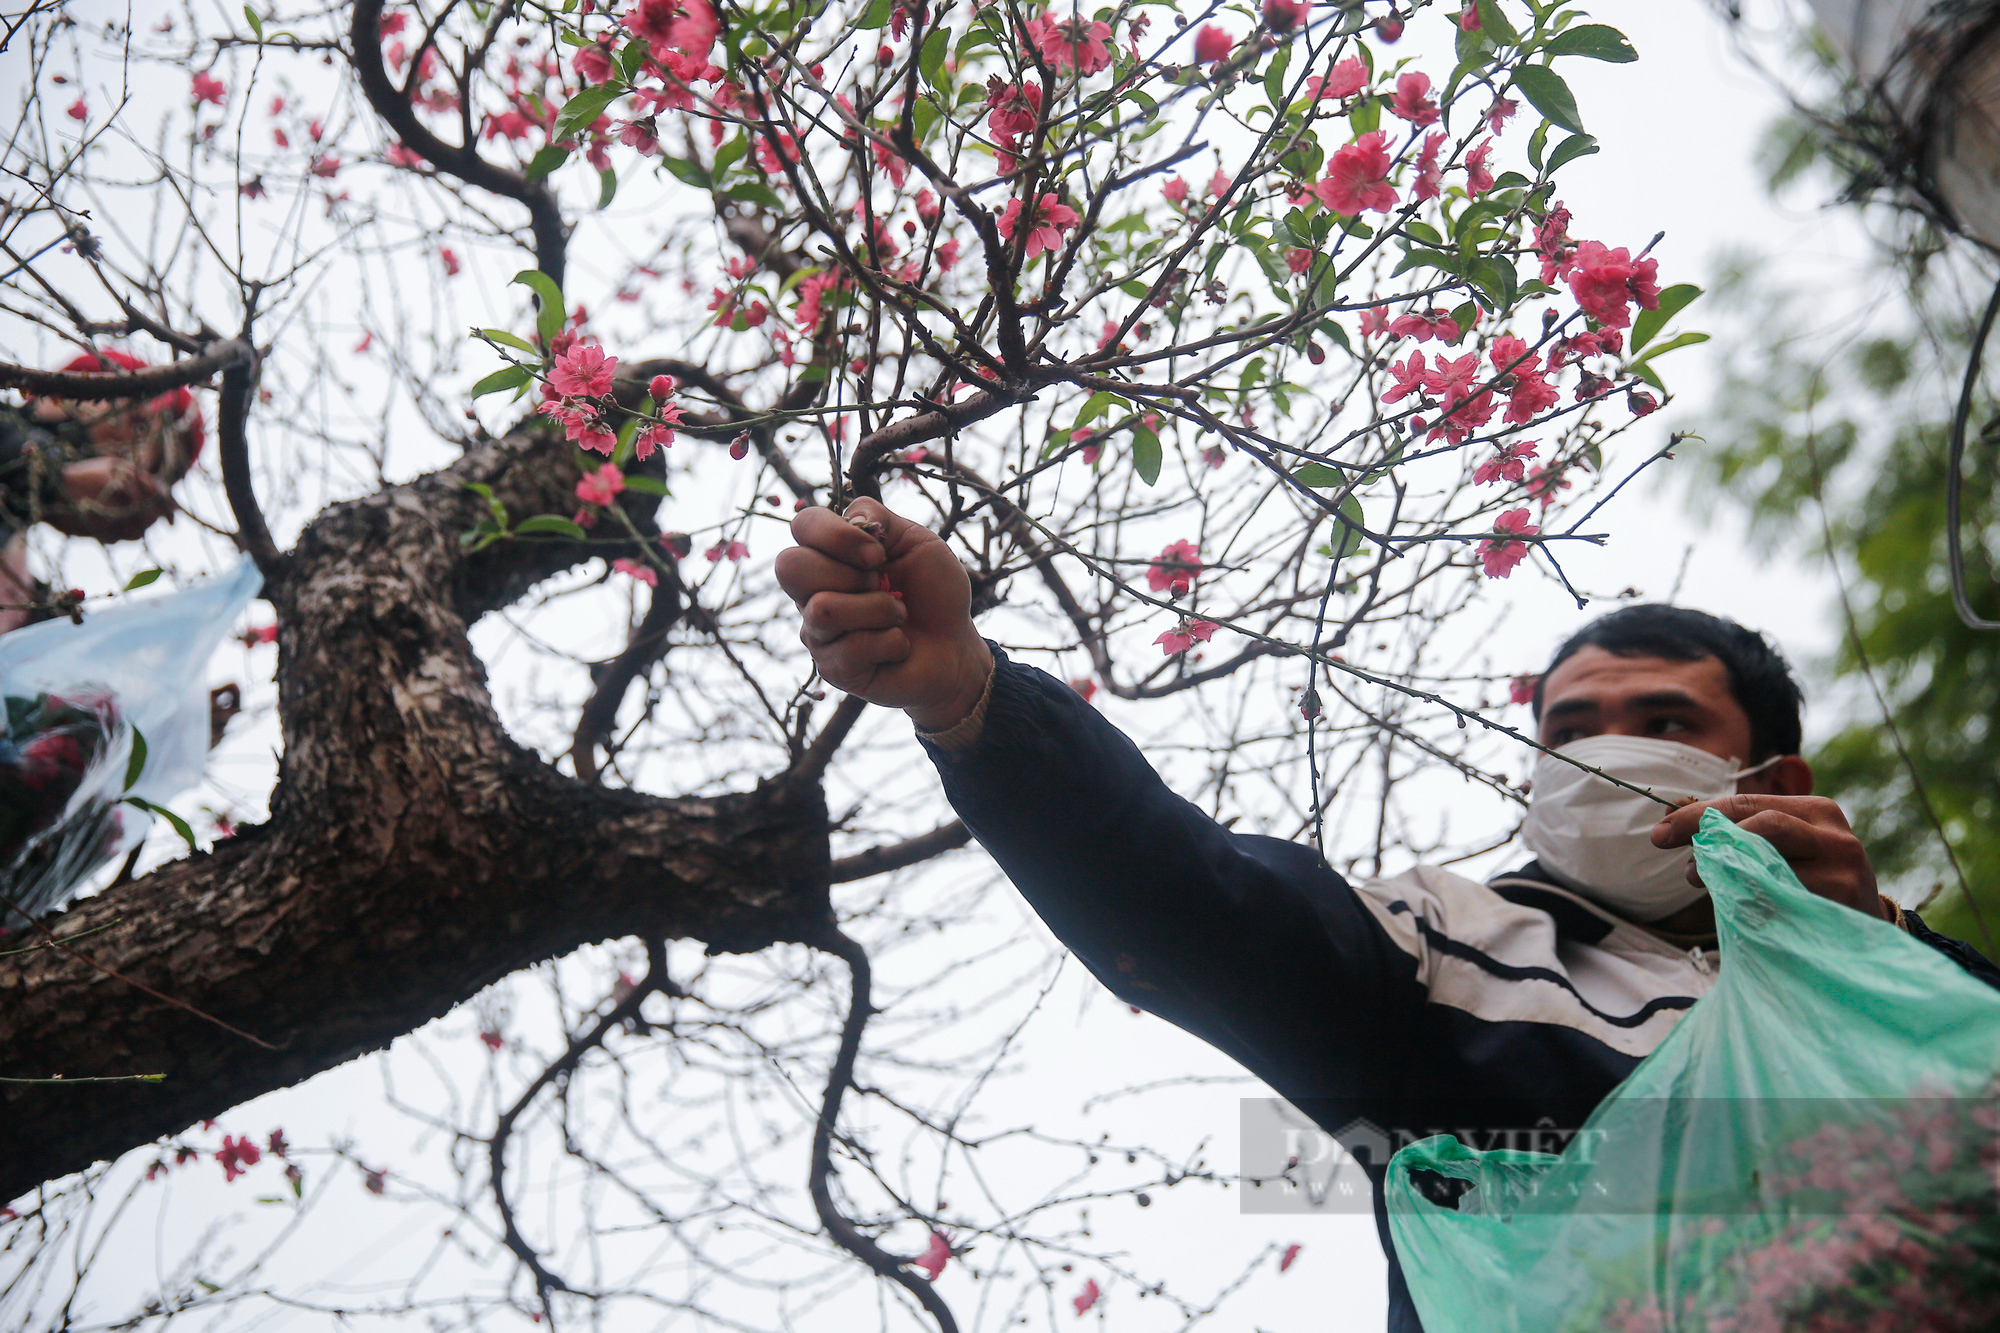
[(1678, 130)]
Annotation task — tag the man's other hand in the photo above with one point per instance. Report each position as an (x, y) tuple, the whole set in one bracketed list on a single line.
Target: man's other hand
[(888, 619), (110, 499), (1810, 832)]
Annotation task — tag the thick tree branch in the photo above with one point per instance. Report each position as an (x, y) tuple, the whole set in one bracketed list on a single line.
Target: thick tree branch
[(870, 455), (738, 413), (655, 981), (881, 860), (232, 445), (101, 385), (610, 680), (415, 853), (462, 161), (838, 1225)]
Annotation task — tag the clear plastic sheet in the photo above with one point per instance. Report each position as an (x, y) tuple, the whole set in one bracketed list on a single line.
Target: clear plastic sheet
[(80, 702)]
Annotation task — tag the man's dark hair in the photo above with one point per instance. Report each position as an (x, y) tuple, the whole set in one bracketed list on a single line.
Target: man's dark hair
[(1759, 676)]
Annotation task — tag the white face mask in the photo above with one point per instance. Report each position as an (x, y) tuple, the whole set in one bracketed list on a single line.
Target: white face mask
[(1596, 838)]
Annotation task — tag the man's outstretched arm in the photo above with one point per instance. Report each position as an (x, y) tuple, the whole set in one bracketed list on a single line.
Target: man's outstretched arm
[(1249, 942)]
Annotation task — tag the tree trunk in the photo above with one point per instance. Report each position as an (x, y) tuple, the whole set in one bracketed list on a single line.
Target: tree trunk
[(415, 852)]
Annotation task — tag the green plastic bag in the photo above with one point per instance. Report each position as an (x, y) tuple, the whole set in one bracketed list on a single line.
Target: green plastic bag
[(1814, 1147)]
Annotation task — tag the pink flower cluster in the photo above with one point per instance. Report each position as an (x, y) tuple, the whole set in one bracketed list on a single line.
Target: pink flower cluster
[(1499, 556), (1046, 224), (1357, 177), (1015, 110), (1071, 43), (1185, 635), (1509, 464), (577, 392), (236, 1156), (1604, 281), (1174, 570), (1344, 79), (1452, 380)]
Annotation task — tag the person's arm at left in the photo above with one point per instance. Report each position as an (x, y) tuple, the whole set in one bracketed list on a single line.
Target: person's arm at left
[(1813, 835)]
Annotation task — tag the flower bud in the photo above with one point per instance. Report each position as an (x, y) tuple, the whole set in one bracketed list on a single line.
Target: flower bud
[(739, 448), (662, 388)]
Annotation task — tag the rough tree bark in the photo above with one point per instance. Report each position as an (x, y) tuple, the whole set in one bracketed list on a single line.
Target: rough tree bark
[(414, 852)]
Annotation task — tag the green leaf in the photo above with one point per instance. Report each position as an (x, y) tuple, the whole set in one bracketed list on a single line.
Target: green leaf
[(553, 523), (497, 510), (582, 111), (1537, 142), (1672, 301), (974, 38), (1470, 48), (1303, 159), (607, 187), (1570, 149), (1318, 474), (755, 192), (550, 312), (1367, 116), (1496, 278), (480, 536), (647, 485), (137, 763), (1594, 41), (1430, 259), (507, 377), (1274, 77), (1495, 25), (1671, 344), (875, 16), (506, 339), (691, 173), (1146, 456), (1095, 406), (142, 578), (930, 61), (1349, 540), (632, 59), (256, 24), (729, 155), (1648, 374), (545, 161), (1548, 94), (180, 825)]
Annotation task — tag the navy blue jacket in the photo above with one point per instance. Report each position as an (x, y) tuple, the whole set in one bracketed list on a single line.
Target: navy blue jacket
[(1423, 999)]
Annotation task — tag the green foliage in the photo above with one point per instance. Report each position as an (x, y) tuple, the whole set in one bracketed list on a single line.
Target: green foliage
[(1797, 426)]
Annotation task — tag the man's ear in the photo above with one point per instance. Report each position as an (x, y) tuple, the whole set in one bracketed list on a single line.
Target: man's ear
[(1790, 776)]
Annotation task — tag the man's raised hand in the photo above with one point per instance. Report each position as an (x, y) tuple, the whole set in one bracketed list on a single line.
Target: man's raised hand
[(910, 644), (1810, 832)]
